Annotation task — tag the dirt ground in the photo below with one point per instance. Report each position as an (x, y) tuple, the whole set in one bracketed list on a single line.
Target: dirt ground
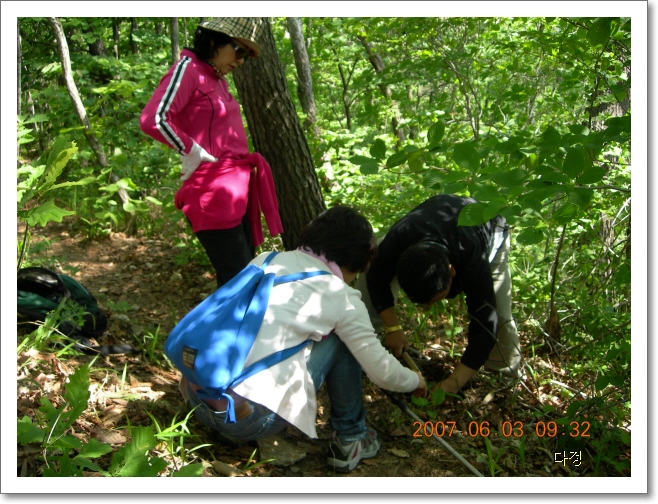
[(144, 292)]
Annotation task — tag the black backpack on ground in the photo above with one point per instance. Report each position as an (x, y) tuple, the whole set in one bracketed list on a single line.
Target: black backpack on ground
[(40, 291)]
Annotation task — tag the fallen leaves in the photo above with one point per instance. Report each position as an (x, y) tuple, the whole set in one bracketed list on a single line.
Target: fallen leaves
[(225, 469), (398, 453)]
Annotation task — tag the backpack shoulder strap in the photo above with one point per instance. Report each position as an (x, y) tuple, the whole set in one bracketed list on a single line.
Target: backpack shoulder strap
[(292, 277), (275, 357), (268, 259), (260, 365)]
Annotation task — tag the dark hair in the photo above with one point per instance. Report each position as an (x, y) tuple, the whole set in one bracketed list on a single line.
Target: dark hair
[(206, 42), (343, 236), (423, 270)]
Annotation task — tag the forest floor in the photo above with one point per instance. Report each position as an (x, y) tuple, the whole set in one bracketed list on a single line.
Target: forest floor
[(144, 292)]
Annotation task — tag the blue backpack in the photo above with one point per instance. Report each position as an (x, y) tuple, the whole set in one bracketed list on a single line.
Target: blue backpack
[(211, 343)]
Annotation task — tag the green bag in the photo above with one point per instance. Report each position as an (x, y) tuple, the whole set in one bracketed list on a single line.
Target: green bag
[(40, 291)]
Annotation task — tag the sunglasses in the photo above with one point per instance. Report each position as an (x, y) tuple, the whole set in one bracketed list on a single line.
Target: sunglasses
[(240, 52)]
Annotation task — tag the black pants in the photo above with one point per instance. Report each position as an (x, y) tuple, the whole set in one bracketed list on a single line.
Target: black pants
[(229, 250)]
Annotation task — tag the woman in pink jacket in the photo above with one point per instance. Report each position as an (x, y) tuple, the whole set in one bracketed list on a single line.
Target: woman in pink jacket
[(224, 188)]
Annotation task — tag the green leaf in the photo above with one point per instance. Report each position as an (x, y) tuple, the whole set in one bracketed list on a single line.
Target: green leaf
[(77, 390), (579, 130), (129, 207), (573, 409), (511, 178), (581, 197), (94, 448), (378, 149), (438, 396), (485, 193), (599, 32), (531, 201), (511, 213), (548, 174), (60, 419), (432, 179), (591, 175), (574, 162), (370, 168), (153, 200), (551, 138), (507, 147), (82, 462), (601, 382), (359, 160), (28, 432), (471, 215), (37, 118), (466, 156), (47, 212), (566, 213), (619, 125), (397, 159), (419, 401), (62, 151), (436, 131), (454, 331), (530, 236), (454, 176), (133, 460), (493, 209), (190, 470), (67, 443), (617, 381), (456, 188), (83, 181), (127, 184), (620, 92), (416, 161)]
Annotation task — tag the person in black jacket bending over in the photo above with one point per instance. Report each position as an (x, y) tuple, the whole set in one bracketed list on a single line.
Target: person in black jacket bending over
[(432, 258)]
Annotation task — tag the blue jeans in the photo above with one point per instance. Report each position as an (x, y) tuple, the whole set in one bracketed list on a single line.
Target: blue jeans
[(329, 361)]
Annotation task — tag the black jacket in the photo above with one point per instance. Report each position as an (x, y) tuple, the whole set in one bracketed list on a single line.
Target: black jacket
[(468, 250)]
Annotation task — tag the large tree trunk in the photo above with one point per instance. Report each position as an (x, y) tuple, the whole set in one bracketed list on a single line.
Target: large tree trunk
[(175, 47), (134, 48), (278, 136), (18, 69), (80, 111), (304, 79)]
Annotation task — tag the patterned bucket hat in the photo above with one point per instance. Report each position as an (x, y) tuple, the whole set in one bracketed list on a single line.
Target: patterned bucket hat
[(246, 30)]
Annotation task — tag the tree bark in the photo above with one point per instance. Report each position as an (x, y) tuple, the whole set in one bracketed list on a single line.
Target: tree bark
[(115, 36), (96, 48), (175, 47), (18, 69), (134, 48), (80, 111), (278, 136), (378, 64), (304, 78)]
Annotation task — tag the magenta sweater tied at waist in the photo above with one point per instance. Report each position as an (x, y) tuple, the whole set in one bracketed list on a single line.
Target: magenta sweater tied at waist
[(218, 195)]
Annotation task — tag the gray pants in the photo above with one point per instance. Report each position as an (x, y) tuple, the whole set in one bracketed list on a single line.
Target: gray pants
[(506, 354)]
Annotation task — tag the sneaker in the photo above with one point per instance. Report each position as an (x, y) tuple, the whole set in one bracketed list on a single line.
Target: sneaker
[(346, 455)]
